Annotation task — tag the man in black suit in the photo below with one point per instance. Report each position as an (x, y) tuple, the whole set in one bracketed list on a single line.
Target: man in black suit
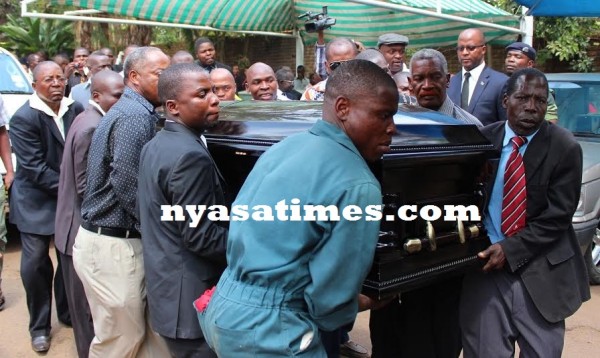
[(480, 93), (106, 89), (535, 275), (181, 260), (37, 133)]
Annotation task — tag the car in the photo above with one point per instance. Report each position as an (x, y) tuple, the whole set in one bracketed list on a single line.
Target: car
[(577, 96), (15, 87)]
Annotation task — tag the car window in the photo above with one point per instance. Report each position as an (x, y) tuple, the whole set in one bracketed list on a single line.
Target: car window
[(578, 106), (12, 79)]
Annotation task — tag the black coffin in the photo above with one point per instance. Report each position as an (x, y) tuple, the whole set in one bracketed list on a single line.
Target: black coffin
[(433, 161)]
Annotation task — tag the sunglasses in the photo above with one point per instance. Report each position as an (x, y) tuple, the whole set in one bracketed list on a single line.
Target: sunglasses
[(335, 64), (468, 48)]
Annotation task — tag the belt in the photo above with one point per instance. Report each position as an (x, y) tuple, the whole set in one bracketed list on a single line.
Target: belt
[(112, 231)]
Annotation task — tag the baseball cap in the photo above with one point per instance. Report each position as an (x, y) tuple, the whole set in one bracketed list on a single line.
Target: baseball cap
[(388, 39), (523, 47)]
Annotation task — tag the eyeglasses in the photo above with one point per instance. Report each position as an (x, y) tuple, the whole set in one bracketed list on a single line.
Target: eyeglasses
[(468, 48), (51, 80), (335, 64), (288, 81)]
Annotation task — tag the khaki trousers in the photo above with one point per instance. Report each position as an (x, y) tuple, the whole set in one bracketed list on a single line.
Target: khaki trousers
[(112, 273)]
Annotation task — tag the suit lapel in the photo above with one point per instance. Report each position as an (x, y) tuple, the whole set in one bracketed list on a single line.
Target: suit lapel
[(496, 136), (49, 121), (455, 87), (479, 87), (68, 120), (221, 178), (536, 152)]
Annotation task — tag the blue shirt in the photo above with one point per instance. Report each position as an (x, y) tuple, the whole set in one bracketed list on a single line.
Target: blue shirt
[(493, 219), (322, 262), (113, 162)]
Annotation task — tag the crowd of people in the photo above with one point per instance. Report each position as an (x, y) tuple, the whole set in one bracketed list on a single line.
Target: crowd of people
[(93, 173)]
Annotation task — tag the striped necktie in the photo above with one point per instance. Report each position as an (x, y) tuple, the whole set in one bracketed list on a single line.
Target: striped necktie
[(514, 200)]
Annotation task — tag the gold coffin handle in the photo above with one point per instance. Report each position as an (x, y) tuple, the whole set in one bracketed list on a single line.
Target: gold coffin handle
[(430, 234)]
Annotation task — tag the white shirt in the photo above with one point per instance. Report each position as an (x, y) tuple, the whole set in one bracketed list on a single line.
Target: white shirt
[(475, 73), (3, 114), (36, 102), (97, 106)]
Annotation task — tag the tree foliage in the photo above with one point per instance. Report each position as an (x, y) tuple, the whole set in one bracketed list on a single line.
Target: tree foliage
[(27, 35), (566, 38)]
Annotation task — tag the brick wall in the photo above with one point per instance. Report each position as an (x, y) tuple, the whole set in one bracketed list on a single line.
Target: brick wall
[(277, 52)]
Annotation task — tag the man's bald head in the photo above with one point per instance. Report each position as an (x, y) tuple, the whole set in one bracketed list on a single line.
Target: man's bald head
[(376, 57), (471, 48), (97, 62), (49, 83), (223, 84), (43, 68), (261, 82), (182, 57), (339, 49), (106, 89)]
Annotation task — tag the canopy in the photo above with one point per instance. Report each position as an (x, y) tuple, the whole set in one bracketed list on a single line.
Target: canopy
[(425, 22), (562, 8)]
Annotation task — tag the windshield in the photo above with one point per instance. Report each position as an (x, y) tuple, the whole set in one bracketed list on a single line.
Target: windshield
[(12, 79), (578, 106)]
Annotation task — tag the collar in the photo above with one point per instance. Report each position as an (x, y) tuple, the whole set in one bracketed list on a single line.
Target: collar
[(326, 129), (36, 102), (173, 126), (281, 96), (509, 133), (447, 107), (97, 107), (476, 72), (130, 93)]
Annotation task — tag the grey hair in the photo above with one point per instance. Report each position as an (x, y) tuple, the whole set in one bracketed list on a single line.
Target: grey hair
[(137, 59), (430, 54)]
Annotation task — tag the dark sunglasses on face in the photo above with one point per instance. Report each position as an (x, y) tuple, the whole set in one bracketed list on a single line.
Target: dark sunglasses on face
[(468, 48), (335, 64)]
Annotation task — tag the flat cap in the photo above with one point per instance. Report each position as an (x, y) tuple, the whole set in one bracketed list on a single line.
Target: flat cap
[(523, 47), (389, 39)]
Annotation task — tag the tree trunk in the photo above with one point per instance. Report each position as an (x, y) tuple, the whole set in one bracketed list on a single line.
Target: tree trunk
[(83, 34), (140, 35)]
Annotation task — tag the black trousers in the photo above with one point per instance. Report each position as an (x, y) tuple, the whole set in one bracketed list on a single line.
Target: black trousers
[(332, 340), (424, 325), (189, 348), (79, 309), (36, 273)]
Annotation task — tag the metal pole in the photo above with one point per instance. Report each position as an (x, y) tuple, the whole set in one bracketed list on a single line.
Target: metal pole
[(26, 13), (390, 6)]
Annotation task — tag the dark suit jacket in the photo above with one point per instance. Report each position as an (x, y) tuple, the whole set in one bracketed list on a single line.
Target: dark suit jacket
[(71, 185), (486, 102), (545, 254), (180, 262), (38, 146)]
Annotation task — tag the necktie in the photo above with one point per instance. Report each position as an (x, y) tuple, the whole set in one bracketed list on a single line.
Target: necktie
[(464, 94), (514, 200)]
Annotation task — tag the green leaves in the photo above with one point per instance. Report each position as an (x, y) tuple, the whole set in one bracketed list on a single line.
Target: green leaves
[(566, 38), (28, 35)]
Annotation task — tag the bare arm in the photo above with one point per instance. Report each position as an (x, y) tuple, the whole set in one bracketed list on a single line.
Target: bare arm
[(5, 155)]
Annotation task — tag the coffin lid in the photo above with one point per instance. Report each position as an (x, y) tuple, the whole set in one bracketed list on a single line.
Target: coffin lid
[(268, 122)]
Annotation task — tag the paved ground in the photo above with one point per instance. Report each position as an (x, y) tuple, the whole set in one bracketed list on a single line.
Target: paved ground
[(582, 337)]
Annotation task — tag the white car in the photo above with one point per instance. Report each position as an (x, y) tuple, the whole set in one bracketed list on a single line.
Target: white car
[(15, 86)]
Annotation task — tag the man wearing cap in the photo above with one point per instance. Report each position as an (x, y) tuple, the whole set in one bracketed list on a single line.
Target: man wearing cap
[(392, 46), (521, 55), (476, 87)]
